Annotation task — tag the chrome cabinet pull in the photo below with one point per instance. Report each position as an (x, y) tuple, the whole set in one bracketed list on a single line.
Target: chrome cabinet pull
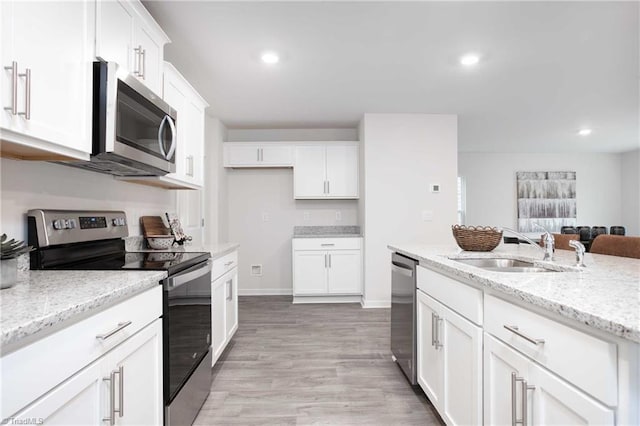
[(228, 263), (438, 341), (525, 388), (230, 292), (27, 93), (121, 388), (258, 154), (13, 109), (433, 328), (327, 244), (261, 154), (112, 399), (515, 330), (328, 187), (143, 60), (136, 70), (121, 325), (326, 260), (329, 260), (189, 165)]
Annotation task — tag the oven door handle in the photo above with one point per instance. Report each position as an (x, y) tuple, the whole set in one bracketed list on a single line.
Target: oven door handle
[(189, 275)]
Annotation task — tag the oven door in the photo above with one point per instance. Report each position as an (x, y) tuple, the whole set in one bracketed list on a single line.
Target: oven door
[(186, 325)]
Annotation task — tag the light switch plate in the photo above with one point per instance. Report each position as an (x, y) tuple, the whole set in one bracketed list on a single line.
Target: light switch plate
[(305, 216), (265, 216), (427, 215), (338, 215)]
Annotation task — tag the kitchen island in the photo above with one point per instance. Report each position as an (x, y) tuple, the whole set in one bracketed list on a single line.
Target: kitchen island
[(553, 344)]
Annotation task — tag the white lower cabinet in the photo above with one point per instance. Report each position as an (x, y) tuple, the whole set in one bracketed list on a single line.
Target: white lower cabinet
[(516, 388), (70, 376), (449, 361), (326, 267), (224, 303)]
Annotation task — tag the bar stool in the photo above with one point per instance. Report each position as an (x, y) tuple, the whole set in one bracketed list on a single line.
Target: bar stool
[(568, 230), (617, 230)]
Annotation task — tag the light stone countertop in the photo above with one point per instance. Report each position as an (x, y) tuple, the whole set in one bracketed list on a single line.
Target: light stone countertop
[(44, 301), (605, 295), (350, 231)]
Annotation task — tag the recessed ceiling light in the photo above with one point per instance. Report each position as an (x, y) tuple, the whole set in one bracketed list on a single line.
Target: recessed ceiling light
[(584, 132), (270, 58), (470, 59)]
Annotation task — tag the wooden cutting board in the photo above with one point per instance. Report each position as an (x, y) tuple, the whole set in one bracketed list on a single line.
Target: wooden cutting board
[(153, 225)]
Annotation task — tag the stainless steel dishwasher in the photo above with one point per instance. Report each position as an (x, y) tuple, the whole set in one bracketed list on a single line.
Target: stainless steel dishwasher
[(403, 314)]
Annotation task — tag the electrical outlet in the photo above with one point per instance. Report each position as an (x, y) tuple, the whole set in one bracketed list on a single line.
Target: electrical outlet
[(338, 215), (256, 270), (305, 216), (435, 188), (265, 216)]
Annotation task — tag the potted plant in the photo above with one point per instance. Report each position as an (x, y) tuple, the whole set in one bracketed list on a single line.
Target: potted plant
[(9, 253)]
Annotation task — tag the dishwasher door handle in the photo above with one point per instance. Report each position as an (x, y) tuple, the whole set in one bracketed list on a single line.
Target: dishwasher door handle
[(401, 269)]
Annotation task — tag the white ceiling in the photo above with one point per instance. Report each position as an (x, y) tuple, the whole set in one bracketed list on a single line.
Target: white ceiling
[(547, 69)]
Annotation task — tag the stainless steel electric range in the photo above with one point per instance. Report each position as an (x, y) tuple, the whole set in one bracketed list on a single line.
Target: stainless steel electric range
[(93, 240)]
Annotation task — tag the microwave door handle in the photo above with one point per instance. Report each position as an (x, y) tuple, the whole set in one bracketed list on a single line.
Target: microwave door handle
[(172, 149), (160, 140)]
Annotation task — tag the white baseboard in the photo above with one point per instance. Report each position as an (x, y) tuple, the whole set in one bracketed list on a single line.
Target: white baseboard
[(326, 299), (375, 304), (265, 292)]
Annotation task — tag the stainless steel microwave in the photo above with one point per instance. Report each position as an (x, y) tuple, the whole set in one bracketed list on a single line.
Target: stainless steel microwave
[(134, 129)]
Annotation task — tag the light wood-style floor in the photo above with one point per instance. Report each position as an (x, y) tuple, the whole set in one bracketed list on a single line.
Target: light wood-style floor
[(321, 364)]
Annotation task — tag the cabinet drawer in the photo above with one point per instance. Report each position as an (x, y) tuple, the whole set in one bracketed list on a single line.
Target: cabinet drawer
[(224, 264), (35, 369), (327, 243), (462, 298), (586, 361)]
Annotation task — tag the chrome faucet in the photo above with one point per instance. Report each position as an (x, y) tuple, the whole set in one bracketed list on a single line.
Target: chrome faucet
[(549, 242), (580, 249)]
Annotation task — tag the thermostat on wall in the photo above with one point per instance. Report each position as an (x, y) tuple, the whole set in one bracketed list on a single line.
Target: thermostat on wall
[(435, 187)]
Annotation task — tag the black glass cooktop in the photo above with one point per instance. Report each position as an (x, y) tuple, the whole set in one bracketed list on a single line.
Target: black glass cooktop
[(139, 261)]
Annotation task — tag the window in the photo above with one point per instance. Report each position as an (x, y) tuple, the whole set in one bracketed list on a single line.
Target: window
[(461, 200)]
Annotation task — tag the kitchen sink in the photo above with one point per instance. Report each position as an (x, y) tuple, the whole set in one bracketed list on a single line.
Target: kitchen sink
[(502, 265)]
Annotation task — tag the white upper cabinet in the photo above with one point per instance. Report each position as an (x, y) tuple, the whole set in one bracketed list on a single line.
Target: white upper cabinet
[(46, 79), (127, 34), (327, 170), (265, 154)]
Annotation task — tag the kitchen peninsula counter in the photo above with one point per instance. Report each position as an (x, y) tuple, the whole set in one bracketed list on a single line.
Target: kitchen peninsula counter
[(604, 296)]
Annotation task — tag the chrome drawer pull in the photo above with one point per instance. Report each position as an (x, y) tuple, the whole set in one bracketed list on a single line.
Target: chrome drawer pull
[(328, 245), (514, 329), (121, 325), (13, 109), (228, 263)]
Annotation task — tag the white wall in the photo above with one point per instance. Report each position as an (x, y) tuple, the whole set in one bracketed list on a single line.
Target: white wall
[(30, 184), (631, 191), (215, 190), (403, 155), (252, 192), (491, 185)]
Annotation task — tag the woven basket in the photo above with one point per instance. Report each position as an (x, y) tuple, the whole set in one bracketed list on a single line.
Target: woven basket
[(476, 238)]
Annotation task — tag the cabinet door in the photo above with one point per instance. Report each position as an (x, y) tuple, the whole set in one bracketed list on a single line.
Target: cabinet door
[(114, 33), (50, 41), (139, 386), (276, 155), (231, 300), (462, 346), (77, 401), (342, 171), (150, 64), (309, 272), (345, 272), (555, 402), (195, 154), (218, 317), (309, 173), (430, 355), (242, 155), (500, 362)]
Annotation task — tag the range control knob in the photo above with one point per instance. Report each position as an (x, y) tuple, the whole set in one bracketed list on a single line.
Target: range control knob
[(59, 224), (114, 221), (122, 221), (71, 223)]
